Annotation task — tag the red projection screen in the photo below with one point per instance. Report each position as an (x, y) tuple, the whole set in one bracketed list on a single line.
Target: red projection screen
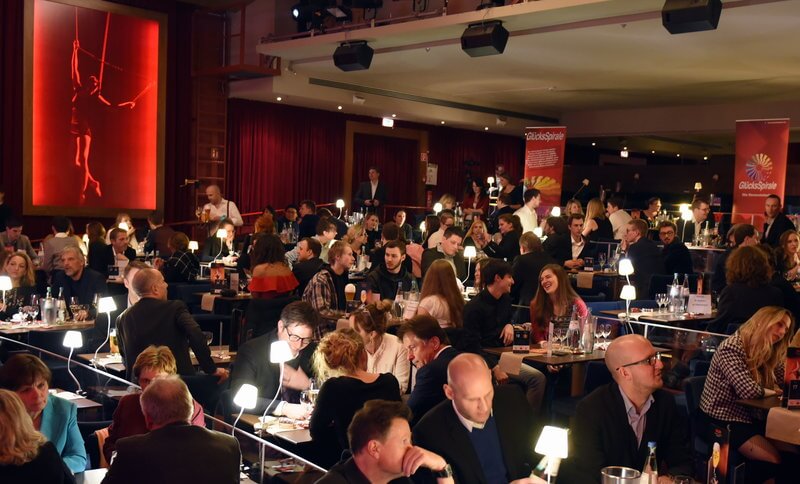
[(94, 118)]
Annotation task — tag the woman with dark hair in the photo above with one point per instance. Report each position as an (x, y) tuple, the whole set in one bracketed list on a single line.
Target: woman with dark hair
[(271, 274), (97, 247), (182, 265), (505, 244), (787, 255), (385, 352), (432, 225), (555, 297), (55, 417), (748, 273), (265, 224), (476, 202)]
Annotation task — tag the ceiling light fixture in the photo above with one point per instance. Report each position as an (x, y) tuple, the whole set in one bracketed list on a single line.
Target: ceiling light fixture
[(394, 115), (358, 99), (279, 98), (500, 121), (339, 107), (486, 128), (442, 122), (623, 153), (387, 122)]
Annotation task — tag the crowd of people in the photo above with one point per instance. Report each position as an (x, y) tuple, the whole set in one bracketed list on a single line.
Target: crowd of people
[(465, 418)]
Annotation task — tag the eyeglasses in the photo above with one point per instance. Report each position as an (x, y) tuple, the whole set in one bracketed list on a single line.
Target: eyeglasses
[(297, 339), (650, 360)]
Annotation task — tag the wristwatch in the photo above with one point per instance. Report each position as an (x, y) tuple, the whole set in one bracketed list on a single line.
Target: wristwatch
[(444, 473)]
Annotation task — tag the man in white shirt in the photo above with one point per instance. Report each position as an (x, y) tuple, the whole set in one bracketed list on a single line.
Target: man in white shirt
[(693, 228), (619, 218), (221, 209), (527, 213), (578, 242), (446, 220)]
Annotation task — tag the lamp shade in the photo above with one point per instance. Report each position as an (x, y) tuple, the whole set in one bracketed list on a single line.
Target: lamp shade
[(628, 292), (437, 207), (340, 203), (280, 352), (85, 238), (106, 305), (698, 186), (73, 339), (625, 267), (422, 226), (555, 212), (193, 245), (470, 252), (124, 226), (490, 180), (552, 442), (686, 216), (222, 233), (5, 283), (537, 231), (246, 397)]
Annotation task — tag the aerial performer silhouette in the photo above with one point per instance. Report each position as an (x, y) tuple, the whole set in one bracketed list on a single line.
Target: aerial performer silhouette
[(86, 96)]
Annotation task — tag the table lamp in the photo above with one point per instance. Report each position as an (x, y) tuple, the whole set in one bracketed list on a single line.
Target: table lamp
[(437, 207), (72, 340), (124, 226), (105, 305), (222, 234), (470, 253), (246, 398), (422, 229), (5, 285), (340, 206), (537, 231), (280, 353), (193, 245), (686, 216), (553, 445), (555, 212), (628, 293)]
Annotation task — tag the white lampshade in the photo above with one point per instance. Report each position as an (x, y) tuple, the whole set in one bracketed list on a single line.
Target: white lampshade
[(698, 186), (555, 212), (340, 203), (193, 245), (537, 231), (246, 397), (437, 207), (625, 267), (490, 180), (5, 283), (552, 442), (422, 226), (280, 352), (85, 238), (470, 252), (628, 292), (124, 226), (222, 233), (73, 339), (106, 305), (686, 216)]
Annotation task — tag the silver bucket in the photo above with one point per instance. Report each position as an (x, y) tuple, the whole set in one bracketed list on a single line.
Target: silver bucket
[(619, 475)]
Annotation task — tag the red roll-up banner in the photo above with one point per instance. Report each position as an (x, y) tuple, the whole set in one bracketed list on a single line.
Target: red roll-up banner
[(544, 161), (761, 150)]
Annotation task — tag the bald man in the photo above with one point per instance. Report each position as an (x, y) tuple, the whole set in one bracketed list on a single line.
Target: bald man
[(615, 422), (154, 320), (221, 209), (485, 433)]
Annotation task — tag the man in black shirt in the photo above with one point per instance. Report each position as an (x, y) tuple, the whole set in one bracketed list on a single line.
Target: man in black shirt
[(79, 281), (382, 282), (557, 244), (675, 253), (776, 222), (308, 219), (308, 262), (644, 254)]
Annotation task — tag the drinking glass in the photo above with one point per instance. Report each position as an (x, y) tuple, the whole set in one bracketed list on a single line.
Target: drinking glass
[(606, 331), (598, 332), (34, 311), (209, 337), (662, 300), (74, 306)]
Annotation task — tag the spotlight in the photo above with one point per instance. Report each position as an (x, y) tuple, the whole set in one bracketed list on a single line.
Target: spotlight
[(682, 16), (387, 122), (353, 56), (623, 153), (484, 38), (360, 100)]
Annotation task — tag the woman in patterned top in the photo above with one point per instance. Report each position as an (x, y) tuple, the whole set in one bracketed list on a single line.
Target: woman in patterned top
[(748, 364), (182, 265)]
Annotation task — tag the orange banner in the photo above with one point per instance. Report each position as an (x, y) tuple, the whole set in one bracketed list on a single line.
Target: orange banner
[(544, 161), (761, 149)]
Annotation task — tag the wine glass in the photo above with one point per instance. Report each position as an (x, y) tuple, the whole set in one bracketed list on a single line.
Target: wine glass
[(598, 332), (606, 331), (34, 311), (74, 305)]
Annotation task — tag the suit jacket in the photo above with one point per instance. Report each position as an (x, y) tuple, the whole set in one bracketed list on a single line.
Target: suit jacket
[(559, 246), (441, 431), (526, 275), (429, 391), (109, 258), (60, 426), (508, 248), (155, 322), (677, 258), (253, 367), (779, 226), (601, 436), (364, 193), (308, 226), (647, 260), (432, 254), (90, 283), (178, 452)]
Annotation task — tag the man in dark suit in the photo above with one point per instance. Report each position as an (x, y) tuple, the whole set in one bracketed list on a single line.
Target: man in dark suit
[(526, 269), (675, 253), (159, 235), (154, 320), (690, 229), (484, 433), (79, 281), (253, 366), (308, 262), (644, 254), (371, 194), (117, 251), (174, 450), (308, 219), (448, 250), (776, 223), (430, 352), (557, 244), (615, 422), (579, 245)]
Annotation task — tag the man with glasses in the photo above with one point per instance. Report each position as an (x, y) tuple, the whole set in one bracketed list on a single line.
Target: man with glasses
[(693, 228), (614, 424), (253, 366), (675, 253)]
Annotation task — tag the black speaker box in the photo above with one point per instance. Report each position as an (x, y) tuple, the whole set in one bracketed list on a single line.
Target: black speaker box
[(484, 39), (353, 56), (681, 16)]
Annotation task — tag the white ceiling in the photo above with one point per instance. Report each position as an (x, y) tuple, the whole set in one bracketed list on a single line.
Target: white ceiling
[(564, 58)]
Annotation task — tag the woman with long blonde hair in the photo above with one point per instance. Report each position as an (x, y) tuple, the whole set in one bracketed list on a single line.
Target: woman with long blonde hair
[(477, 235), (596, 225), (19, 267), (749, 364), (441, 297), (25, 454)]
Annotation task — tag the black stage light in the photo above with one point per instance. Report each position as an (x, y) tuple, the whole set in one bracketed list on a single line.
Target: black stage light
[(485, 38), (353, 56), (681, 16)]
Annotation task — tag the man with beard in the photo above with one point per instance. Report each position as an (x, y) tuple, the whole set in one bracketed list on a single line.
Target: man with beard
[(382, 283)]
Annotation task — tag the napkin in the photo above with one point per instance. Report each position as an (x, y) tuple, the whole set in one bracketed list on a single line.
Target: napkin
[(207, 303)]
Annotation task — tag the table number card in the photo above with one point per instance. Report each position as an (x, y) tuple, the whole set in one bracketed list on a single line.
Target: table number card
[(699, 304)]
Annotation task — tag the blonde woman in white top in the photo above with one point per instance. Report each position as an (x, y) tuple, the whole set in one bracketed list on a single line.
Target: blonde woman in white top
[(441, 296), (385, 352)]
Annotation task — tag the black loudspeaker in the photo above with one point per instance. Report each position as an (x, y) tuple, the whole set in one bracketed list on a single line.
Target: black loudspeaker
[(486, 38), (363, 3), (353, 56), (681, 16)]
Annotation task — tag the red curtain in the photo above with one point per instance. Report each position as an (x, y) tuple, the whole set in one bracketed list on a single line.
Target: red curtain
[(396, 158)]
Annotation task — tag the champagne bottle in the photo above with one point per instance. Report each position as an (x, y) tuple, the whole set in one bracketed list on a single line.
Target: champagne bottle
[(62, 306), (650, 471)]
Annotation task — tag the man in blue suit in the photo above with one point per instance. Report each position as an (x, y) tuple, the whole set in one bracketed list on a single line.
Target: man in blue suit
[(430, 352)]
